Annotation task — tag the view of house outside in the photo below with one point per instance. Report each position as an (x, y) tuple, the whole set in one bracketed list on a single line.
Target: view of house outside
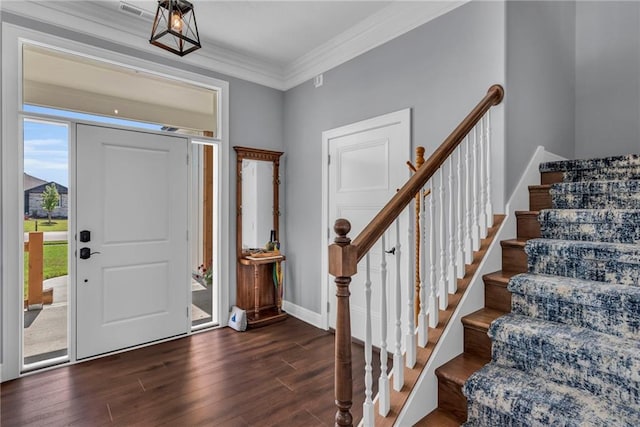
[(46, 154)]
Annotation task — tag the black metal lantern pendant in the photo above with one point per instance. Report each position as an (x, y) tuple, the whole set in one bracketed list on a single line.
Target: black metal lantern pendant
[(175, 28)]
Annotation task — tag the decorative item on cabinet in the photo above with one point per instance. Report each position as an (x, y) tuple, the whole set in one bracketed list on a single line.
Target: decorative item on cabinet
[(260, 278)]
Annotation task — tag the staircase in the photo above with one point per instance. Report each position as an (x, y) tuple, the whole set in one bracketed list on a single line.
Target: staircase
[(562, 339)]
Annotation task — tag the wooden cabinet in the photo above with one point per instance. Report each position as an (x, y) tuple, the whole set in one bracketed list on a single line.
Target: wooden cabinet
[(258, 217), (257, 292)]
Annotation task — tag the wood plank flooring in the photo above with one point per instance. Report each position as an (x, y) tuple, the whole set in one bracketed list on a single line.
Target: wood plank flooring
[(278, 375)]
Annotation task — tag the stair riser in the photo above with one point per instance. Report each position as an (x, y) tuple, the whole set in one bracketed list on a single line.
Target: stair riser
[(497, 297), (539, 199), (477, 343), (451, 399), (528, 227), (625, 322), (514, 259), (551, 177)]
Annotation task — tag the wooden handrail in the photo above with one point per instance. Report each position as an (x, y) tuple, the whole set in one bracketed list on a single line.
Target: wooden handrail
[(403, 197)]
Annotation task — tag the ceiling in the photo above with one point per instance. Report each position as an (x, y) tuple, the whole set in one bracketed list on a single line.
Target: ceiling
[(275, 43), (278, 32)]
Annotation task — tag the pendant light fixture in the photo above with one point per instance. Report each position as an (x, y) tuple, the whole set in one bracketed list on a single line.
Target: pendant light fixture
[(175, 28)]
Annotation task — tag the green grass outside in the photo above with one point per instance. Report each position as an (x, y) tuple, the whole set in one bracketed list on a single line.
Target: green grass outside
[(56, 225), (55, 262)]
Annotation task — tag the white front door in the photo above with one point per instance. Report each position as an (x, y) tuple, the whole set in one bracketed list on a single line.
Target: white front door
[(132, 198), (367, 165)]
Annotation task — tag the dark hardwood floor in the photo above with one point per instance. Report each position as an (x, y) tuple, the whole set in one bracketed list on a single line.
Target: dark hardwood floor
[(280, 375)]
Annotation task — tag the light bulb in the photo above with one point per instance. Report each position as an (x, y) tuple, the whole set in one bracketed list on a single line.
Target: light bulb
[(176, 22)]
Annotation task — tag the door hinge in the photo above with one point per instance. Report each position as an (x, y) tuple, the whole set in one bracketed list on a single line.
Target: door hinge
[(187, 159), (187, 311), (328, 307), (187, 235), (329, 159)]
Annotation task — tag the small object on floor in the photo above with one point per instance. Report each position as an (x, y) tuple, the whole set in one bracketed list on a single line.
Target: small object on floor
[(238, 319)]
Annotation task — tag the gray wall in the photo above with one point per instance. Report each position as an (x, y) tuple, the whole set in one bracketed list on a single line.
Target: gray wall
[(607, 78), (540, 87), (255, 116), (1, 207), (440, 70)]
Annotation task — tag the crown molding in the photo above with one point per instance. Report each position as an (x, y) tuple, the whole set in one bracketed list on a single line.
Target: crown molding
[(92, 19), (379, 28), (95, 20)]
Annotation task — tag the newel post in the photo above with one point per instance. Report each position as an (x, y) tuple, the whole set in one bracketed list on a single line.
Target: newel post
[(343, 261)]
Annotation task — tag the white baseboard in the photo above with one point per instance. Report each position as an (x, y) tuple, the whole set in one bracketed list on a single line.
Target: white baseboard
[(304, 314)]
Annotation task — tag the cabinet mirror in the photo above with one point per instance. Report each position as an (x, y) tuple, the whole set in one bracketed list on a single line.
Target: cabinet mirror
[(257, 198)]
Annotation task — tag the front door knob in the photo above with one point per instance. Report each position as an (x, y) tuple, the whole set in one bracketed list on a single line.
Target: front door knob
[(85, 253)]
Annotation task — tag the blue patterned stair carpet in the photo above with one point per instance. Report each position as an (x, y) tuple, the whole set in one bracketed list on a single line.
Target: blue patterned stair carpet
[(569, 353)]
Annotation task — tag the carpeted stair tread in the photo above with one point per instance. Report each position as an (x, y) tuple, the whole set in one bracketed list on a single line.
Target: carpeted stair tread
[(603, 225), (610, 174), (609, 308), (610, 194), (595, 187), (605, 365), (587, 216), (627, 160), (609, 168), (506, 397), (599, 261)]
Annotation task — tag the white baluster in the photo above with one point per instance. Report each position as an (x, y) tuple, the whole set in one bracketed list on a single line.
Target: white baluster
[(433, 290), (489, 206), (442, 244), (423, 333), (468, 203), (459, 216), (383, 381), (482, 216), (410, 340), (367, 406), (475, 227), (398, 366), (452, 277)]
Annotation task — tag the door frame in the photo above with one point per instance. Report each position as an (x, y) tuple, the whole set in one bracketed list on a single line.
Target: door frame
[(13, 39), (401, 117)]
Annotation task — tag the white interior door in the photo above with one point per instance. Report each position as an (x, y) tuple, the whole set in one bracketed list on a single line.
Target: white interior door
[(132, 197), (367, 165)]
